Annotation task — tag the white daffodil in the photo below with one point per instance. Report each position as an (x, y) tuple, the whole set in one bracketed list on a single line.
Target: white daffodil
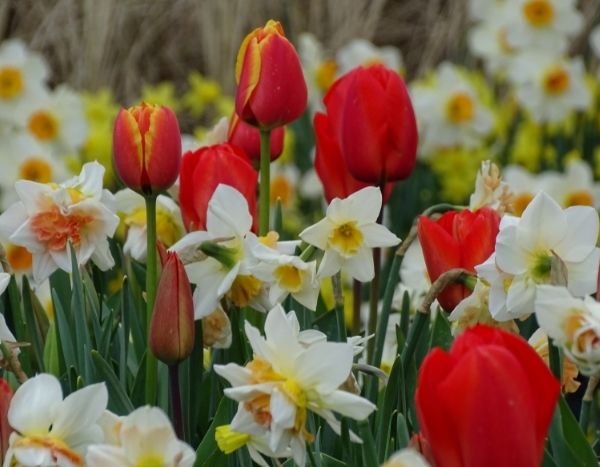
[(348, 233), (483, 10), (56, 120), (286, 378), (285, 275), (414, 277), (251, 434), (525, 249), (487, 39), (49, 217), (361, 52), (490, 190), (449, 111), (573, 323), (524, 186), (319, 73), (407, 457), (550, 88), (542, 25), (23, 158), (224, 271), (169, 225), (284, 182), (595, 41), (22, 78), (576, 187), (145, 438), (216, 330), (50, 431)]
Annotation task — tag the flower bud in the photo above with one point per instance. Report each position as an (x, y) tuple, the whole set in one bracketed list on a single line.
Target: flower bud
[(147, 148), (271, 88), (247, 137), (172, 326)]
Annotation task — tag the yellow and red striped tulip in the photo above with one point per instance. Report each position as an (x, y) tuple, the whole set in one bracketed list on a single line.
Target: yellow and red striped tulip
[(147, 148), (271, 88)]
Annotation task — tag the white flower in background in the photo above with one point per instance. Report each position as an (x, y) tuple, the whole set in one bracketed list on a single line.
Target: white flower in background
[(319, 72), (413, 277), (145, 438), (525, 249), (487, 39), (22, 78), (310, 186), (490, 190), (390, 344), (23, 158), (550, 88), (285, 379), (543, 25), (57, 120), (286, 275), (348, 233), (50, 431), (48, 217), (449, 111), (361, 52), (524, 186), (499, 283), (225, 271), (481, 10), (169, 225), (407, 457), (216, 330), (573, 323), (595, 41), (284, 182), (577, 186), (253, 435)]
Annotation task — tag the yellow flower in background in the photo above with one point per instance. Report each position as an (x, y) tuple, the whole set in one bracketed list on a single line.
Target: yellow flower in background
[(202, 93), (100, 107), (225, 106), (526, 149), (289, 143), (456, 170), (162, 93)]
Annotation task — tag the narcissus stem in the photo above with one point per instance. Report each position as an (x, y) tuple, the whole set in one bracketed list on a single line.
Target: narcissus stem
[(374, 303), (176, 400), (151, 363), (264, 196)]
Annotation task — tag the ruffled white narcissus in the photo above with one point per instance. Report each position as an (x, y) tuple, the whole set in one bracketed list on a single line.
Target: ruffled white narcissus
[(145, 437), (525, 248), (573, 323), (348, 233), (407, 457), (49, 217), (287, 378), (50, 431)]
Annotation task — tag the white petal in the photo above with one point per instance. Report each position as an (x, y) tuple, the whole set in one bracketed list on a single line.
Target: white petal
[(365, 204), (543, 224), (318, 234), (101, 455), (520, 298), (377, 235), (324, 374), (235, 374), (282, 410), (80, 409), (583, 276), (348, 404), (330, 264), (510, 256), (360, 266), (228, 213), (581, 236)]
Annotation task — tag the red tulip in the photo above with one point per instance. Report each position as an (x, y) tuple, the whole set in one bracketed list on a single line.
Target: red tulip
[(6, 394), (203, 170), (172, 327), (331, 167), (372, 116), (247, 137), (271, 88), (457, 240), (488, 402), (147, 148)]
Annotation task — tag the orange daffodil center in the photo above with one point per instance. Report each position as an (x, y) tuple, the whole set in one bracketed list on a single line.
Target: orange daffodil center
[(11, 82), (539, 13), (460, 108), (44, 125), (556, 80)]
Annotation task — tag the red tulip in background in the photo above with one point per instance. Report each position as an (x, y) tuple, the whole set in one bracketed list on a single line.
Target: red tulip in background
[(5, 429), (457, 240), (203, 170), (372, 117), (247, 137), (147, 148), (331, 167), (488, 402), (271, 88), (172, 327)]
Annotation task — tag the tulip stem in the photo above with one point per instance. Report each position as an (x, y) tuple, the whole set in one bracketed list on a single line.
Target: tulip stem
[(586, 403), (151, 363), (264, 197), (176, 400)]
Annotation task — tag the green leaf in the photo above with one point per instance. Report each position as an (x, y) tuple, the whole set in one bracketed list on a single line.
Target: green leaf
[(386, 411), (369, 454), (34, 326), (78, 309), (51, 352), (574, 437), (64, 332), (208, 450), (118, 402), (441, 333), (329, 461)]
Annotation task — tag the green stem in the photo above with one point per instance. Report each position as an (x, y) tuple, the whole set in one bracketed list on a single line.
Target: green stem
[(264, 197), (374, 302), (586, 403), (151, 273), (554, 358), (414, 333), (176, 400), (356, 303)]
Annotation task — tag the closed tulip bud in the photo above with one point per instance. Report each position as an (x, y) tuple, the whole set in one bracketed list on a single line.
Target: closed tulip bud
[(247, 137), (147, 148), (462, 239), (331, 167), (271, 88), (172, 327), (373, 119), (201, 173), (487, 402)]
